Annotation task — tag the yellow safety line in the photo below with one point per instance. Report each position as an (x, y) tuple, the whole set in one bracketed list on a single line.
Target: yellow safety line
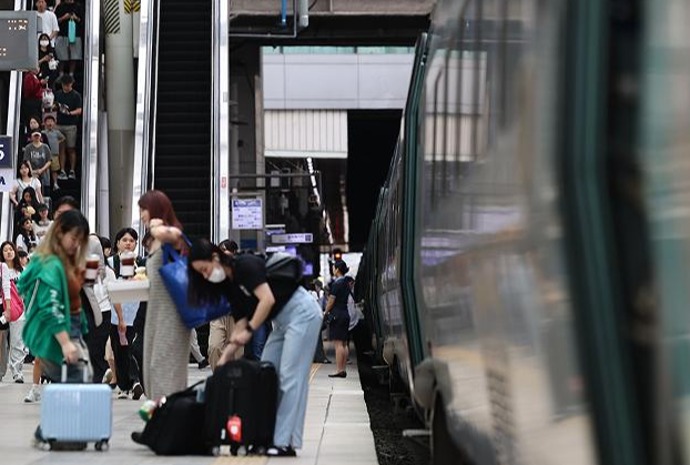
[(230, 460), (314, 368)]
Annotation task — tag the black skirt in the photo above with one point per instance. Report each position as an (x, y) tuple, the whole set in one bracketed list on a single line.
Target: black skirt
[(339, 326)]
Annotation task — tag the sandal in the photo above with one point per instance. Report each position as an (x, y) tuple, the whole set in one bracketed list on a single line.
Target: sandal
[(281, 451)]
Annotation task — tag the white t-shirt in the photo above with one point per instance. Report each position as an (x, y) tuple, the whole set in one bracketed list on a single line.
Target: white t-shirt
[(49, 23)]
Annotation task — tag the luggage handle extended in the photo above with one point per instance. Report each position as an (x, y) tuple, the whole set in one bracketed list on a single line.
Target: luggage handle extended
[(85, 364)]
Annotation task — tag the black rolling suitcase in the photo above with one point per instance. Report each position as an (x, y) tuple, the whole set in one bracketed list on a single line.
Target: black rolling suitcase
[(241, 405)]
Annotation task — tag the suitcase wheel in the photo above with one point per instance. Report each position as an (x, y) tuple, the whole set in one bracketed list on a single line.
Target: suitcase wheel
[(102, 446)]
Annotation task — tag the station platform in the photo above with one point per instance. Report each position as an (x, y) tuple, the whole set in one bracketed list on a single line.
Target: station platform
[(337, 430)]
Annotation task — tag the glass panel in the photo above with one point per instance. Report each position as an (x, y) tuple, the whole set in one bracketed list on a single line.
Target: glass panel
[(665, 122), (385, 50), (495, 299)]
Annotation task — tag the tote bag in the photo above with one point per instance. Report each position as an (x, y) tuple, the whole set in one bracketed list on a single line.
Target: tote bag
[(72, 31), (174, 276), (16, 304)]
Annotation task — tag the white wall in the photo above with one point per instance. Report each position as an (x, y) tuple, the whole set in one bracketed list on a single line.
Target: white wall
[(336, 81)]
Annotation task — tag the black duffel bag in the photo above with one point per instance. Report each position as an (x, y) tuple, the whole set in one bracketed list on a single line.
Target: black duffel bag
[(177, 426)]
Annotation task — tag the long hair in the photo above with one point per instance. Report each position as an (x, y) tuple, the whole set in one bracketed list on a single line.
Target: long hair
[(71, 220), (49, 48), (31, 170), (28, 236), (159, 206), (201, 291), (32, 192), (16, 264)]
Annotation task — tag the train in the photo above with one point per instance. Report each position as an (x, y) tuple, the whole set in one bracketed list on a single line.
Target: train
[(524, 270)]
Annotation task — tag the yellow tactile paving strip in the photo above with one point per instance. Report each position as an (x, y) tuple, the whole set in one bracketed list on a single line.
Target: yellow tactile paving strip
[(239, 460)]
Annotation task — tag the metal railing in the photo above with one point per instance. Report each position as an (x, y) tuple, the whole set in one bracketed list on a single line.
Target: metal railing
[(145, 125), (220, 123), (92, 77), (13, 112)]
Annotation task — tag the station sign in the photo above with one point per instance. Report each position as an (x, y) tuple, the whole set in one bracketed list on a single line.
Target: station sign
[(294, 238)]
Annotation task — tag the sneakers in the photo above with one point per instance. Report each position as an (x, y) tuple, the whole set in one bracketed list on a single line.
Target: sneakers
[(137, 391), (56, 187), (285, 451), (34, 395), (19, 380), (72, 175), (62, 175), (108, 376), (122, 394)]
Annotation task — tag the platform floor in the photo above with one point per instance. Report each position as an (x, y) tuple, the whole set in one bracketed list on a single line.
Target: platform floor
[(337, 430)]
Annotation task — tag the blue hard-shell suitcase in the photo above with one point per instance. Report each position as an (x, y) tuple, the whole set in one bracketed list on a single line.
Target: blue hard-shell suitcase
[(76, 413)]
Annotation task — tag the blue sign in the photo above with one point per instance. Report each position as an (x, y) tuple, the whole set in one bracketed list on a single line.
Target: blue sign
[(6, 152)]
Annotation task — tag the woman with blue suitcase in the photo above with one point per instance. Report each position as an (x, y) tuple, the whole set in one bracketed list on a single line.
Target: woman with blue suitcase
[(50, 285)]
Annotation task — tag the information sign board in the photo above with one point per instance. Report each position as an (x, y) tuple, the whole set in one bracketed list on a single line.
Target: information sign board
[(247, 213)]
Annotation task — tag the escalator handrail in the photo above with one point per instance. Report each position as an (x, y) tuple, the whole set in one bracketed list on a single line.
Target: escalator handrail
[(91, 98), (220, 123), (13, 115), (145, 124)]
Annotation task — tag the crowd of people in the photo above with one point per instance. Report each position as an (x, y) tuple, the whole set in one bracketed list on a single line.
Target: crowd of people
[(51, 107), (135, 346)]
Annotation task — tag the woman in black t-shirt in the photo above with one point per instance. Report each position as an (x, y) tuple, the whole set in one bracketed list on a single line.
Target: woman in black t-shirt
[(254, 299)]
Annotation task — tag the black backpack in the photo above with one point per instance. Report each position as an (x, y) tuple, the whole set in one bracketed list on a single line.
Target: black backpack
[(284, 267)]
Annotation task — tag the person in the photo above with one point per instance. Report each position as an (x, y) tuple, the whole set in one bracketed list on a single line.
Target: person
[(97, 309), (33, 124), (221, 328), (69, 52), (317, 293), (32, 94), (38, 154), (26, 237), (28, 206), (55, 139), (254, 299), (43, 224), (68, 103), (107, 247), (166, 338), (47, 68), (49, 23), (338, 327), (50, 284), (64, 204), (24, 258), (11, 270), (127, 366), (25, 179)]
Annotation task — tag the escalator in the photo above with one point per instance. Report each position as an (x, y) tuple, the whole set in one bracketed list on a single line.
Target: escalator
[(182, 164)]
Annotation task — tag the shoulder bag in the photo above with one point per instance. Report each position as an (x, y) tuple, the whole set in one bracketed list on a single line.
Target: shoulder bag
[(16, 304), (174, 276)]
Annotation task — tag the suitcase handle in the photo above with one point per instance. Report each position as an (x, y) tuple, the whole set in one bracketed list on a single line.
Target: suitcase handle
[(85, 364)]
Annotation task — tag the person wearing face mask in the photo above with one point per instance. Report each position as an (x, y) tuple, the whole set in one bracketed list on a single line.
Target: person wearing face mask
[(47, 64), (255, 298)]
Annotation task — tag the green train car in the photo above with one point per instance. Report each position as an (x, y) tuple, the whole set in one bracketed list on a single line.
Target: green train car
[(528, 269)]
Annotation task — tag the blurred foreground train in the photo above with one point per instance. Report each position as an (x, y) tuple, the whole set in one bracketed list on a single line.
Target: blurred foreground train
[(528, 269)]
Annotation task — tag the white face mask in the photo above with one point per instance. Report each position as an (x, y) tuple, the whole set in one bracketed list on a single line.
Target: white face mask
[(217, 275), (44, 43)]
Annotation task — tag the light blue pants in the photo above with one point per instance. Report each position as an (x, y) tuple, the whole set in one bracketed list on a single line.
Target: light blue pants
[(290, 347)]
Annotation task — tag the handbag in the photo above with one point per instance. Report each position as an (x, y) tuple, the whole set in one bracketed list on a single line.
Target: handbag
[(72, 31), (48, 98), (16, 304), (174, 276)]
